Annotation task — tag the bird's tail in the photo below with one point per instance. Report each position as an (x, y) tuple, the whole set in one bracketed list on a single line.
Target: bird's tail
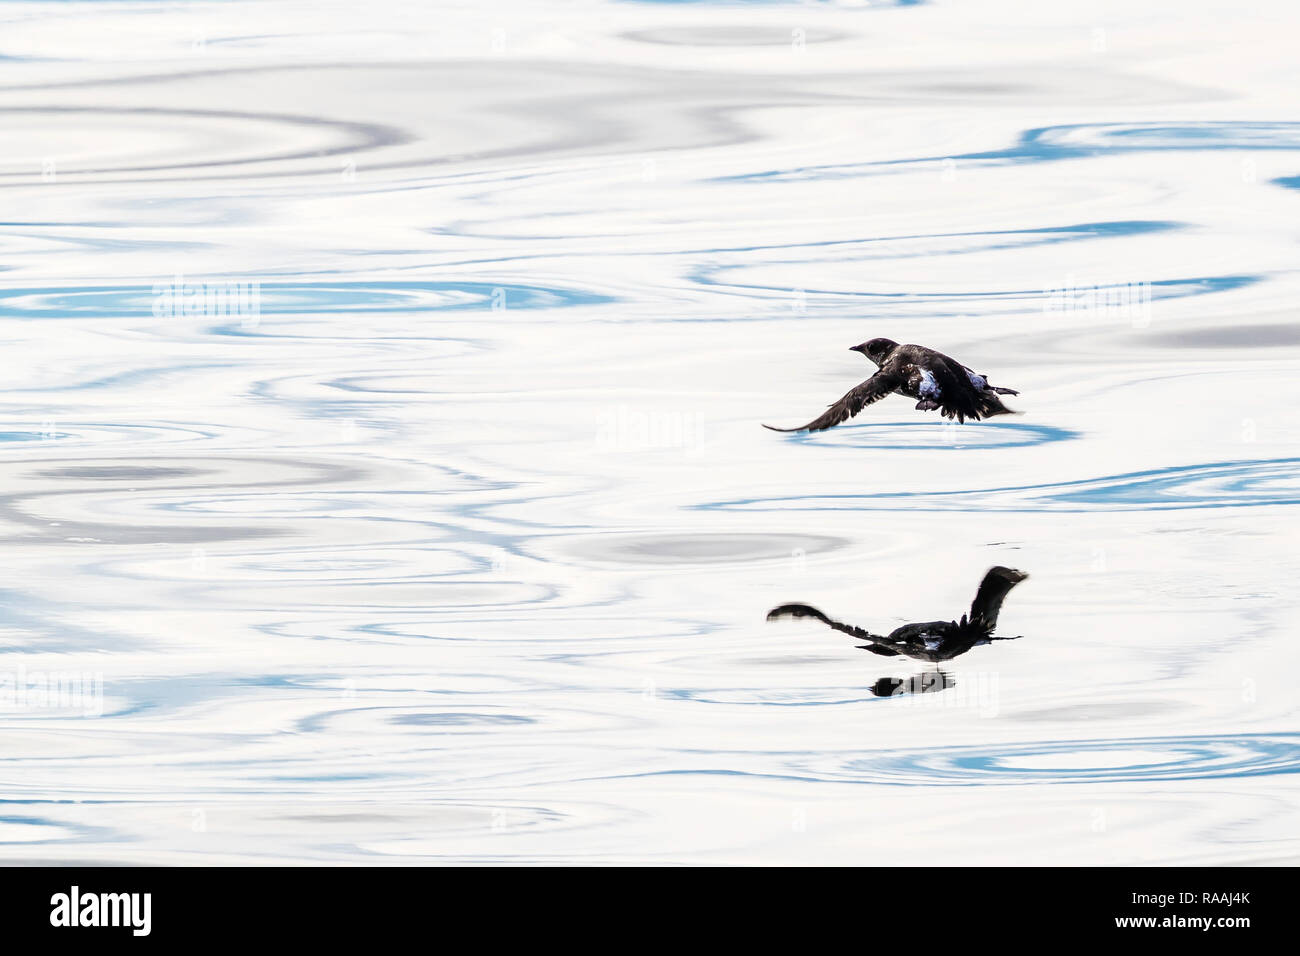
[(974, 405), (997, 584), (988, 404)]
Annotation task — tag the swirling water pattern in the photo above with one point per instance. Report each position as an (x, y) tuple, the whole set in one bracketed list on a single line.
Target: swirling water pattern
[(380, 471)]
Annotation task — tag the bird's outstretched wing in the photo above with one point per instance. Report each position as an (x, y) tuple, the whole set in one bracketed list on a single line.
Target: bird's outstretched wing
[(879, 649), (958, 397), (997, 584), (963, 394), (856, 399), (806, 610)]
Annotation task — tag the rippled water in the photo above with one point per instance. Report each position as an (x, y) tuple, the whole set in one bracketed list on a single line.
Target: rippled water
[(437, 524)]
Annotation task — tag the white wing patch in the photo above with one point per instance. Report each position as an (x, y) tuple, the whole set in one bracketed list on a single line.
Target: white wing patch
[(928, 388), (979, 381)]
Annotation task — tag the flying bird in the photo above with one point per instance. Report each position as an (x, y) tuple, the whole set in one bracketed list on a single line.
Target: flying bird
[(933, 641), (931, 377)]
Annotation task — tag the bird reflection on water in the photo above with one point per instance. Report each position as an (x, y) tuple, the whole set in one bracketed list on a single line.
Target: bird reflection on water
[(926, 682), (931, 641)]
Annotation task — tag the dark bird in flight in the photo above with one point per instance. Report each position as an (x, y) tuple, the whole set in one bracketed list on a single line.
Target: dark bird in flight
[(932, 641), (931, 377)]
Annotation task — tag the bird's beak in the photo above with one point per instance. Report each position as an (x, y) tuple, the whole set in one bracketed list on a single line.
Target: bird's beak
[(855, 348)]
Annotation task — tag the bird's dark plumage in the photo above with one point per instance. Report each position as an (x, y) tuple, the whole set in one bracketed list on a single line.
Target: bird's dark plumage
[(931, 377), (933, 640)]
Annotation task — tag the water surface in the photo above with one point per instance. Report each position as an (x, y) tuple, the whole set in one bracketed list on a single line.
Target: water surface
[(381, 477)]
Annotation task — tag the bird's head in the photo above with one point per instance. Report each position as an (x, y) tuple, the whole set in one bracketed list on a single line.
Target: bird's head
[(876, 349)]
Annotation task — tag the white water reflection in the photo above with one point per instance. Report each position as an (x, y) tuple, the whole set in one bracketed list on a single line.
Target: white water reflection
[(459, 545)]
